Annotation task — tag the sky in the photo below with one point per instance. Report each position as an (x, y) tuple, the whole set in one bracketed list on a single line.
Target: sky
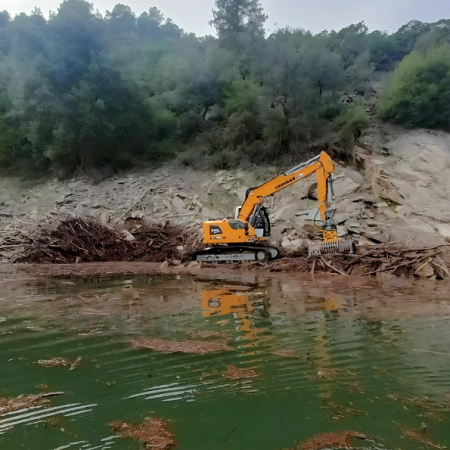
[(315, 15)]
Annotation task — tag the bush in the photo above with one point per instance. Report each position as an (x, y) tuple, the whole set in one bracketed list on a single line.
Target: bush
[(418, 93), (351, 124)]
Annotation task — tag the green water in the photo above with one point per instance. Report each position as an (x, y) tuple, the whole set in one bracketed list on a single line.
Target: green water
[(388, 347)]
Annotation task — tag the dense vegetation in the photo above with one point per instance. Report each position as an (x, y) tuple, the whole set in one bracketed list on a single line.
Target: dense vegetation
[(81, 92)]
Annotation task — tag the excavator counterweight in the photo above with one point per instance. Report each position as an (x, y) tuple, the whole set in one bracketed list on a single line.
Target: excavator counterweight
[(243, 238)]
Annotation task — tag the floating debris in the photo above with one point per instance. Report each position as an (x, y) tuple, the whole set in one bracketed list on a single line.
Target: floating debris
[(286, 353), (171, 346), (419, 436), (340, 439), (234, 373), (208, 334), (76, 363), (11, 404), (325, 374), (153, 433), (55, 362)]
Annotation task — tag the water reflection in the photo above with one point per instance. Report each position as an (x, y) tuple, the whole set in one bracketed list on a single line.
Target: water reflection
[(244, 307)]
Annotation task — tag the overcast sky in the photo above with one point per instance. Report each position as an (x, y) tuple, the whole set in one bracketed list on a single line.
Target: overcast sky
[(314, 15)]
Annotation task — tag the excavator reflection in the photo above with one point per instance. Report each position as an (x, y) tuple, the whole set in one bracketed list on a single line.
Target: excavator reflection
[(243, 306)]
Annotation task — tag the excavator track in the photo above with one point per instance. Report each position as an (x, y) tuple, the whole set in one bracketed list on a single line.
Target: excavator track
[(236, 253)]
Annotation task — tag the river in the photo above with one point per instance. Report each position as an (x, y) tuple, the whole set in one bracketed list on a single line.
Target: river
[(367, 356)]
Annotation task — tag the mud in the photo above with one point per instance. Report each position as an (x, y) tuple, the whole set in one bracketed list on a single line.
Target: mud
[(234, 373), (286, 353), (341, 439), (153, 433), (169, 346), (11, 404)]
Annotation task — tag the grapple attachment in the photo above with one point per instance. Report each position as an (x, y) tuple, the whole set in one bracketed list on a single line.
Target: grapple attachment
[(329, 247)]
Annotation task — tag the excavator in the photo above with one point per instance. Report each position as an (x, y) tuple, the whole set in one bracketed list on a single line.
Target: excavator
[(244, 237)]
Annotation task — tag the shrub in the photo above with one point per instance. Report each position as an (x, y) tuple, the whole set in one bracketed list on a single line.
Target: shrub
[(351, 124), (418, 93)]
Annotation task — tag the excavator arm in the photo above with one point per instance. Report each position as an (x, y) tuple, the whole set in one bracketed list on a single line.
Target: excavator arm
[(322, 165)]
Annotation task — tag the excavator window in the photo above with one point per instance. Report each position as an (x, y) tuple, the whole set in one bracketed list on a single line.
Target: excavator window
[(263, 221)]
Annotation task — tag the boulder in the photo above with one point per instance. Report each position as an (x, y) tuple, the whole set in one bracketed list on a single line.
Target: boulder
[(341, 218), (104, 218), (208, 214), (378, 237), (288, 212), (296, 245), (443, 229), (424, 270), (241, 193), (343, 187), (128, 236), (179, 204)]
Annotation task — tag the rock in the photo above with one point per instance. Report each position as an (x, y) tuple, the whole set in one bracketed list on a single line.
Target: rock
[(447, 239), (227, 187), (341, 231), (179, 204), (424, 270), (104, 218), (288, 212), (128, 235), (380, 205), (344, 187), (182, 194), (443, 229), (164, 173), (174, 262), (384, 188), (341, 218), (137, 215), (241, 193), (313, 191), (180, 248), (310, 229), (378, 237), (164, 265), (296, 245), (194, 265), (167, 204), (207, 214)]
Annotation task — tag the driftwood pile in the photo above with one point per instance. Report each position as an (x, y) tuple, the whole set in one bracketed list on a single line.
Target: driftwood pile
[(382, 260), (76, 239)]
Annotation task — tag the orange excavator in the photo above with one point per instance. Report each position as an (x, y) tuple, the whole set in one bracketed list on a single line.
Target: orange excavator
[(244, 238)]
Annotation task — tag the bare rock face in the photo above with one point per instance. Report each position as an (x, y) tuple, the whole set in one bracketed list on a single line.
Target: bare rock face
[(343, 187)]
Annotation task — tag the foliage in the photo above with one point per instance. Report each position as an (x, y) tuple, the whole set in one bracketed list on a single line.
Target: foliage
[(351, 124), (81, 92), (419, 91)]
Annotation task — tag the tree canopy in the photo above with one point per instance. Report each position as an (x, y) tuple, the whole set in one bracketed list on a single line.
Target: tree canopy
[(81, 92)]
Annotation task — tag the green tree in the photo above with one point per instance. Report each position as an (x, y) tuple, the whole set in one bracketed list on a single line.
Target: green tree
[(419, 92), (232, 17)]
